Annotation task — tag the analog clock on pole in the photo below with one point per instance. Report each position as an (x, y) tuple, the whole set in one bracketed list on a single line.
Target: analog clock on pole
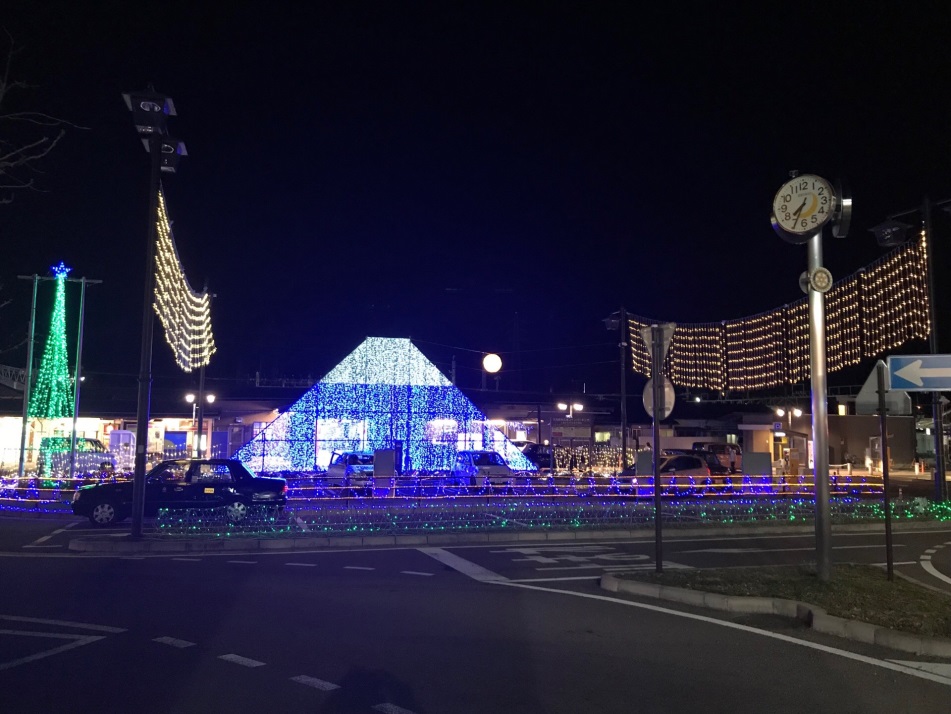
[(802, 206)]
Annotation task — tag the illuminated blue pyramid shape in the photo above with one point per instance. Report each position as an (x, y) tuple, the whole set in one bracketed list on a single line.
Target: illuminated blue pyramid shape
[(383, 395)]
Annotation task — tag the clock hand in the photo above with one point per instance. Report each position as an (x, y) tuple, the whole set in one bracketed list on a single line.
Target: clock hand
[(799, 210)]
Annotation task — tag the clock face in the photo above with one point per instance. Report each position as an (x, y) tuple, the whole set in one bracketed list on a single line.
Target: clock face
[(803, 204)]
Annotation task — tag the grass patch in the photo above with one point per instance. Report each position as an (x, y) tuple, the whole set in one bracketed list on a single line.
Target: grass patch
[(855, 592)]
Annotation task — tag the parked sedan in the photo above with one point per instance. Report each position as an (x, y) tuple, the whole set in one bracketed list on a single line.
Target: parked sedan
[(709, 458), (183, 483)]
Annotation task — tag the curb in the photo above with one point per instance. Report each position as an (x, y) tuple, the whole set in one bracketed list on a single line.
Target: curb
[(815, 617), (302, 541)]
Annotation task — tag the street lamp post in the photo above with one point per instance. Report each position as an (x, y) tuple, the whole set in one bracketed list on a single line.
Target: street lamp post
[(620, 324), (570, 408), (197, 412), (792, 412), (150, 111)]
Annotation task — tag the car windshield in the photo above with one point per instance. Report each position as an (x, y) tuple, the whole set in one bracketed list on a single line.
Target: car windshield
[(361, 459), (487, 458)]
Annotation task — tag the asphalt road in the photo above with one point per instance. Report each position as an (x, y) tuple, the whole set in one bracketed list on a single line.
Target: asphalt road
[(461, 629)]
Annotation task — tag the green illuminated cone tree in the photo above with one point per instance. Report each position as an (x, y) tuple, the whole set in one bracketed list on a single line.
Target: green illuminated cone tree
[(53, 396)]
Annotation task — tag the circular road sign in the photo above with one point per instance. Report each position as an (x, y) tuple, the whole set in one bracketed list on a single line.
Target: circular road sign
[(668, 397)]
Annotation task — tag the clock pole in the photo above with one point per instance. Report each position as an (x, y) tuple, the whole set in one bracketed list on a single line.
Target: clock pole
[(820, 415), (802, 206)]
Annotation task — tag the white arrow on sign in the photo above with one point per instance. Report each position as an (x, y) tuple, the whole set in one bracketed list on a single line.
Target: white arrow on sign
[(915, 373)]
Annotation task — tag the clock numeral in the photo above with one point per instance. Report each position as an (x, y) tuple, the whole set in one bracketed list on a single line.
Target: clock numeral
[(804, 223), (783, 208), (815, 219), (787, 216), (824, 200), (787, 198)]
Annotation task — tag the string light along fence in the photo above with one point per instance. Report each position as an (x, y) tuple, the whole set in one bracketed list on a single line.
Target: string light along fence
[(871, 311), (361, 517)]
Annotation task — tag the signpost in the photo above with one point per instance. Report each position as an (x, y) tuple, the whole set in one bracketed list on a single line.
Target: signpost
[(657, 338), (882, 411), (925, 373)]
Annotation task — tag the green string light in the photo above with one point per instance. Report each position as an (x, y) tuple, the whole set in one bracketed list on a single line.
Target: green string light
[(53, 395)]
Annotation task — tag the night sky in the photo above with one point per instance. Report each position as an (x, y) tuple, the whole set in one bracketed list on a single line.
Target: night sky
[(476, 176)]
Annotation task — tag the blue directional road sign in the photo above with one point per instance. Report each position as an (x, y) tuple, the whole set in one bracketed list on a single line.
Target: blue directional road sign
[(920, 373)]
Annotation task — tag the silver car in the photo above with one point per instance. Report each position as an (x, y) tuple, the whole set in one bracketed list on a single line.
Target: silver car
[(481, 469), (351, 469)]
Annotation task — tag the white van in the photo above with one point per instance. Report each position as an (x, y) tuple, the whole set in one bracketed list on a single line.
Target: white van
[(481, 469), (91, 455)]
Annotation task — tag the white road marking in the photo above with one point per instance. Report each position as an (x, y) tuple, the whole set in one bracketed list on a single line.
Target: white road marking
[(244, 562), (303, 565), (550, 580), (939, 668), (243, 661), (45, 538), (181, 644), (357, 567), (188, 560), (388, 708), (743, 628), (781, 550), (930, 551), (63, 623), (315, 683), (466, 567), (630, 566), (479, 573), (60, 545), (931, 570), (415, 572), (903, 562), (78, 641)]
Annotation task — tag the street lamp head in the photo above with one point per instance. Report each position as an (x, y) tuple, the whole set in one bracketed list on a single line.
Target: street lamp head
[(150, 110), (210, 398), (797, 412), (189, 397), (577, 407), (172, 152), (890, 233), (562, 406), (492, 363), (780, 412)]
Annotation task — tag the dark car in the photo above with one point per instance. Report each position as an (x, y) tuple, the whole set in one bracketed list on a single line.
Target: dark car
[(183, 483)]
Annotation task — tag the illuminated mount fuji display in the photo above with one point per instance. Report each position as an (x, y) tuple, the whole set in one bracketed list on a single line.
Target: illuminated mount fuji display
[(385, 394)]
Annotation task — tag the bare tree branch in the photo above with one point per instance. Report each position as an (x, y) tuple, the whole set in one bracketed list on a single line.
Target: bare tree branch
[(20, 155)]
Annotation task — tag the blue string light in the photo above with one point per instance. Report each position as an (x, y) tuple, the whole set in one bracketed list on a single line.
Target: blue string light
[(384, 395)]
